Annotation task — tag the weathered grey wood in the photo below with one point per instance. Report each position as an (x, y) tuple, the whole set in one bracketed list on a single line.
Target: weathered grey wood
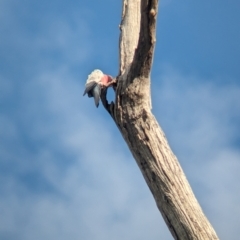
[(138, 126)]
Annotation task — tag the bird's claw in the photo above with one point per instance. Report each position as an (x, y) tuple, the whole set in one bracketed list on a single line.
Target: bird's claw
[(112, 82)]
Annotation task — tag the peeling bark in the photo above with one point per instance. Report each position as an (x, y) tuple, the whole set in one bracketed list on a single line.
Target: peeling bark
[(138, 126)]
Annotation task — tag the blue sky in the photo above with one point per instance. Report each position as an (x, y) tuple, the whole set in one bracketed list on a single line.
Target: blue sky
[(65, 171)]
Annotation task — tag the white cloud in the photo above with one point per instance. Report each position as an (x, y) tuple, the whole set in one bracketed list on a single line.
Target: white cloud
[(97, 190)]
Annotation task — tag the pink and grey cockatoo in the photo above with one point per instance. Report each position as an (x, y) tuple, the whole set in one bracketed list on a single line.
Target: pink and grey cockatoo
[(94, 84)]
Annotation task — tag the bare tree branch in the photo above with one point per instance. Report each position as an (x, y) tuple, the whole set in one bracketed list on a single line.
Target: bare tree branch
[(138, 126)]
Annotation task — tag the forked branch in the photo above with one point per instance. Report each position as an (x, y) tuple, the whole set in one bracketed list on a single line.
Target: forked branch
[(139, 128)]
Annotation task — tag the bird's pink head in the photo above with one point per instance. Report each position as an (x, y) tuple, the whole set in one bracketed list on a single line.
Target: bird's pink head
[(106, 79)]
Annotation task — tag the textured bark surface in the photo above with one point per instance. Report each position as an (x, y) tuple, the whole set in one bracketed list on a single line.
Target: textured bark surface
[(138, 126)]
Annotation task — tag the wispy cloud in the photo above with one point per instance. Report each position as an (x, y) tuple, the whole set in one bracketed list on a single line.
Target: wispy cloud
[(71, 179)]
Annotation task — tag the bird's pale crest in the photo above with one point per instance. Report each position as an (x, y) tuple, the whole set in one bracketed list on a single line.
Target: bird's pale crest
[(95, 76)]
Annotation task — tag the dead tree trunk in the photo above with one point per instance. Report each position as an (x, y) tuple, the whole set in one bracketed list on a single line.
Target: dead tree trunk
[(138, 126)]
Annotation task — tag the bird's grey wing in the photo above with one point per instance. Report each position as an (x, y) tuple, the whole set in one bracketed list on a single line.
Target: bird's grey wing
[(89, 87), (96, 91)]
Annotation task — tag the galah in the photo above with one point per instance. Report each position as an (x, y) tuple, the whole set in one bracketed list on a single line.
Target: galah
[(94, 84)]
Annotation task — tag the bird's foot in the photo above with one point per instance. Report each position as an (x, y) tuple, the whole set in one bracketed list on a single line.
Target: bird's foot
[(111, 83)]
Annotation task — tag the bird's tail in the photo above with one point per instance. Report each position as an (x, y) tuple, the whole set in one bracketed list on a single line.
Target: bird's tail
[(96, 94)]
